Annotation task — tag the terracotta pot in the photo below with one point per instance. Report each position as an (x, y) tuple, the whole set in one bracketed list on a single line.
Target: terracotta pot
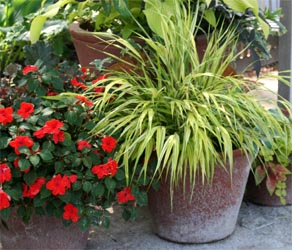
[(259, 194), (210, 215), (89, 46), (42, 232)]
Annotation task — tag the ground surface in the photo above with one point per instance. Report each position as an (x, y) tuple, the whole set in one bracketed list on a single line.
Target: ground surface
[(258, 228)]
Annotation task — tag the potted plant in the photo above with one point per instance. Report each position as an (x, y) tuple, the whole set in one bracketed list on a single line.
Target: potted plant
[(55, 180), (271, 183), (127, 18), (185, 126)]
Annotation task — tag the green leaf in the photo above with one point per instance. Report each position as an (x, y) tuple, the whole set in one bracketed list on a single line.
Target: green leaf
[(30, 177), (87, 186), (36, 27), (41, 91), (24, 164), (77, 185), (4, 142), (67, 142), (87, 161), (210, 17), (59, 166), (84, 223), (45, 193), (5, 213), (38, 202), (98, 189), (66, 197), (34, 159), (47, 111), (142, 199), (32, 85), (15, 193), (35, 146), (48, 146), (71, 116), (120, 175), (259, 174), (24, 150), (110, 183), (46, 155)]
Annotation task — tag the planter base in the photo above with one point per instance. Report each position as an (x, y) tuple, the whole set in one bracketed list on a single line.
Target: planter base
[(41, 232), (210, 215)]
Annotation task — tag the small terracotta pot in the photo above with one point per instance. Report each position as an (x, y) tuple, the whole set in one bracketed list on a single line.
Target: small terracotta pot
[(260, 195), (210, 215), (42, 232)]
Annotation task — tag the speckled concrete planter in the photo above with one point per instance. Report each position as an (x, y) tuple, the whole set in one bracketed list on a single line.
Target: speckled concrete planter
[(42, 233), (211, 214)]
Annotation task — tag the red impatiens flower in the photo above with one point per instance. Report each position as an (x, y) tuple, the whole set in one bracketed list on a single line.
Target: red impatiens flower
[(99, 78), (4, 200), (83, 144), (53, 126), (83, 99), (52, 93), (5, 173), (125, 195), (108, 143), (71, 213), (25, 110), (78, 84), (98, 89), (107, 169), (40, 133), (6, 115), (58, 136), (19, 141), (34, 189), (73, 178), (58, 184), (29, 68)]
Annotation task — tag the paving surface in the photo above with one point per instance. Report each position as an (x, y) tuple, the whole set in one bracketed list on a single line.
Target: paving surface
[(258, 228)]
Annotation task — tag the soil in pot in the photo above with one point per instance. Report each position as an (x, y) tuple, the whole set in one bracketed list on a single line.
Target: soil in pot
[(209, 215)]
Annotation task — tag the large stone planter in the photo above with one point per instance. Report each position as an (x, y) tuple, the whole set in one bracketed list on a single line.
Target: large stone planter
[(42, 232), (210, 215)]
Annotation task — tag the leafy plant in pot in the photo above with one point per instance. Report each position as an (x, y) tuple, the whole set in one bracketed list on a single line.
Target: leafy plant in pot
[(55, 180), (271, 183), (87, 18), (183, 124), (127, 18)]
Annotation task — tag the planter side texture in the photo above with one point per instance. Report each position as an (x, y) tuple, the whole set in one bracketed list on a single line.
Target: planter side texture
[(210, 215), (42, 232)]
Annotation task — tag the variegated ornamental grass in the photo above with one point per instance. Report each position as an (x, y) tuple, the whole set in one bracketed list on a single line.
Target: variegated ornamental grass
[(179, 109)]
